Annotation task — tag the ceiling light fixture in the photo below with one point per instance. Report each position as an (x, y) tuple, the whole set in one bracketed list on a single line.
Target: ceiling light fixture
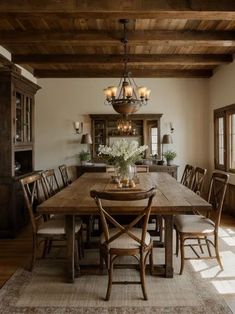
[(127, 97)]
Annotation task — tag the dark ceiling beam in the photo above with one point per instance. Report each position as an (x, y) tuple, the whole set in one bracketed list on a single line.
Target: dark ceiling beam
[(101, 38), (95, 73), (158, 9), (148, 59)]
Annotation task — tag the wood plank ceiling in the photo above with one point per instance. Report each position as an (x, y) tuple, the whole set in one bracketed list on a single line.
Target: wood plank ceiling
[(73, 38)]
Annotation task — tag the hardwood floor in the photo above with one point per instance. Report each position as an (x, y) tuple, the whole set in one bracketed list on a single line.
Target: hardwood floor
[(15, 253)]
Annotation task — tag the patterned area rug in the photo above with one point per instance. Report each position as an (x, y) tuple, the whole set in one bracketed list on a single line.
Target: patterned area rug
[(45, 291)]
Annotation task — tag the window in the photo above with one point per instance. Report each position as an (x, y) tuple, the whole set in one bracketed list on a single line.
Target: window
[(224, 124), (154, 140)]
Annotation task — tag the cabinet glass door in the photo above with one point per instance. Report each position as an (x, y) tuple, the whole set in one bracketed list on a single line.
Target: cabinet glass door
[(24, 113), (19, 118), (28, 119)]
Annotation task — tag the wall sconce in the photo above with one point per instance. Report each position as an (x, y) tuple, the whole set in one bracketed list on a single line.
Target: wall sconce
[(78, 126), (171, 127)]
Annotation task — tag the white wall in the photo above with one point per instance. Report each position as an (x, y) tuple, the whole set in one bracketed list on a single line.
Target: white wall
[(221, 93), (60, 102)]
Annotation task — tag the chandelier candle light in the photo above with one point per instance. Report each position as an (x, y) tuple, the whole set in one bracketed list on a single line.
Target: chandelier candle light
[(127, 97)]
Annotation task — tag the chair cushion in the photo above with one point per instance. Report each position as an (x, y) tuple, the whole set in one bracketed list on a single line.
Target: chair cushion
[(194, 224), (125, 241), (56, 227)]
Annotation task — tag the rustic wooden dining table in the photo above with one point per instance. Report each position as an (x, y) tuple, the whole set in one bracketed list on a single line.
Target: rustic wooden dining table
[(171, 199)]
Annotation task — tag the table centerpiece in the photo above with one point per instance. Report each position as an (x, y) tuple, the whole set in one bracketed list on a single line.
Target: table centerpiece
[(123, 155)]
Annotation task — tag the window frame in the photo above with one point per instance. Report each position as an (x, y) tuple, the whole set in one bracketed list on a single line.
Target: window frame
[(225, 113)]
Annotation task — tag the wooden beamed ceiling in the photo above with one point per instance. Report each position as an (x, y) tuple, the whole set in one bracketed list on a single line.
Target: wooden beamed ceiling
[(83, 38)]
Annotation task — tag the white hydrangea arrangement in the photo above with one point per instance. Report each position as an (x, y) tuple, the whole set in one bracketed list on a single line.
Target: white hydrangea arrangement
[(122, 152)]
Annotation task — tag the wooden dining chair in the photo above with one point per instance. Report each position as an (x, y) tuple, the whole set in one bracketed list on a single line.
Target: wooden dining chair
[(64, 175), (43, 228), (187, 176), (199, 227), (198, 180), (51, 182), (125, 240)]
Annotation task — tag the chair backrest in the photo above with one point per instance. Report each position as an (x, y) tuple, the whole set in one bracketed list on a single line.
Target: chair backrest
[(51, 182), (142, 168), (34, 194), (198, 180), (187, 176), (124, 197), (217, 190), (64, 175)]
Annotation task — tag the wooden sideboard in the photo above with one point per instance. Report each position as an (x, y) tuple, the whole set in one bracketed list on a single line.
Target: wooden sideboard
[(172, 170)]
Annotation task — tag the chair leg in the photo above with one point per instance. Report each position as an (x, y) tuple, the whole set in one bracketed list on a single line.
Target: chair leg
[(182, 253), (200, 245), (101, 262), (208, 247), (159, 226), (76, 262), (80, 244), (45, 248), (110, 271), (151, 262), (142, 276), (177, 243), (49, 246), (217, 252), (34, 253)]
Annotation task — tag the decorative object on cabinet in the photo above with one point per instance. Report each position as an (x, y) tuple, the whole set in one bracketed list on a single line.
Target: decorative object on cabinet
[(86, 139), (104, 131), (17, 148), (166, 139), (170, 156), (127, 97), (78, 126), (84, 157)]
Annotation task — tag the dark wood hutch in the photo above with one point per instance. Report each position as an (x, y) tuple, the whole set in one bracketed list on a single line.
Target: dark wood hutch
[(17, 147), (104, 128)]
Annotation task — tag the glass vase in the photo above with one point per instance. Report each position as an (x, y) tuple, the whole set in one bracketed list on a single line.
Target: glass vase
[(126, 172)]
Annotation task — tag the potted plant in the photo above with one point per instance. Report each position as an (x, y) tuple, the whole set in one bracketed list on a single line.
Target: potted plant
[(84, 156), (170, 156)]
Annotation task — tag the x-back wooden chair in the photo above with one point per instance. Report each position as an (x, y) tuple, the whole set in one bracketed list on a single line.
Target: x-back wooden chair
[(198, 180), (187, 176), (125, 240), (64, 175), (198, 227), (51, 182), (43, 229)]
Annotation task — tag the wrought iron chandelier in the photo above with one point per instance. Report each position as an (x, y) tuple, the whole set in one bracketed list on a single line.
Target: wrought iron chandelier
[(127, 97)]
